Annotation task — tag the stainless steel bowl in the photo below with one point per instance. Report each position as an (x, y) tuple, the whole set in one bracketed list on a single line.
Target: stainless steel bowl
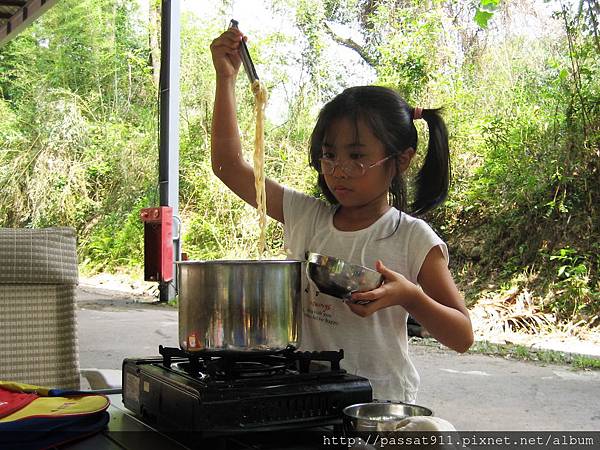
[(339, 278), (379, 416)]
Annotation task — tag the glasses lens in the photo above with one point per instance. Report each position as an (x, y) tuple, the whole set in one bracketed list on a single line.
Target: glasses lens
[(353, 169), (349, 168), (327, 166)]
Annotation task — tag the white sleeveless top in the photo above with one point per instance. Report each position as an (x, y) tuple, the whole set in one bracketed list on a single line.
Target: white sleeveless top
[(375, 347)]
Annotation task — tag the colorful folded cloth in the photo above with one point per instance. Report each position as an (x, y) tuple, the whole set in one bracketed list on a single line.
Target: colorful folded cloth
[(41, 434), (11, 402), (39, 418)]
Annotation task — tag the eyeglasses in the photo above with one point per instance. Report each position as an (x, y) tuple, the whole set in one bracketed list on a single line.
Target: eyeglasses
[(351, 169)]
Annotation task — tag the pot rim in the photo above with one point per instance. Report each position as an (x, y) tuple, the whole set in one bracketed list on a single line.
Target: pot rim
[(346, 411), (237, 262)]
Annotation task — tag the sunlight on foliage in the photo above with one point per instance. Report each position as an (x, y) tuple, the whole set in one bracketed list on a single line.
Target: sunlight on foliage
[(79, 133)]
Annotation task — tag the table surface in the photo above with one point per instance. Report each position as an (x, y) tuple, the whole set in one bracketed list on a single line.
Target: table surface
[(126, 432)]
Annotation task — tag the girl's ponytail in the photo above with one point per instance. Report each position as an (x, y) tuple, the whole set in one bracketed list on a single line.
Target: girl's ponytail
[(433, 179)]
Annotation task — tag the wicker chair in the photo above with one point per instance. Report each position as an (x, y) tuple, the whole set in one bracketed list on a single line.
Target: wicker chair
[(38, 334)]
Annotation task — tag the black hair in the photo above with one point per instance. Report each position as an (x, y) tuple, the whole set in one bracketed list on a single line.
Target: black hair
[(390, 119)]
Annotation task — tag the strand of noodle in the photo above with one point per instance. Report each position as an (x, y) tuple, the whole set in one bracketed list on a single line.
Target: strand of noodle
[(260, 97)]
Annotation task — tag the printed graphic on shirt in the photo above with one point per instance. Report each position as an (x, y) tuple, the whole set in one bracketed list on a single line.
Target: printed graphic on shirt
[(318, 307)]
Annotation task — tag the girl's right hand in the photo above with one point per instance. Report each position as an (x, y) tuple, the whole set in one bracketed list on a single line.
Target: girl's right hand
[(226, 53)]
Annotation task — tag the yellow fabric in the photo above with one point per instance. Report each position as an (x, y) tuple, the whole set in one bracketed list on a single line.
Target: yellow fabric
[(23, 387), (60, 407)]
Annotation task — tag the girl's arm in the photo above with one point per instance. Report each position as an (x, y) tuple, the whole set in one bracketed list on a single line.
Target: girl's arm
[(438, 306), (227, 160)]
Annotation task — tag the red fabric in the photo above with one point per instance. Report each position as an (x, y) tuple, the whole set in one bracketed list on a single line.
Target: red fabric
[(13, 401)]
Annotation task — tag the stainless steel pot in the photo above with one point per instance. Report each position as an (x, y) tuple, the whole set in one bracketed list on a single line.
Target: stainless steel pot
[(238, 305)]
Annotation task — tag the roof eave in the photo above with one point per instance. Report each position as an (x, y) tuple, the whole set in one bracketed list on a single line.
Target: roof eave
[(23, 17)]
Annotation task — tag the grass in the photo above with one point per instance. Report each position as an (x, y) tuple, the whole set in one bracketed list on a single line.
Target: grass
[(583, 362), (524, 353)]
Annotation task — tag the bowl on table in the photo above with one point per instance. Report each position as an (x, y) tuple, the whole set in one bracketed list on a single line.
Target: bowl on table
[(339, 278), (379, 416)]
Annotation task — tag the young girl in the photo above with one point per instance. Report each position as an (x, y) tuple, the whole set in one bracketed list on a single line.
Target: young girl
[(362, 144)]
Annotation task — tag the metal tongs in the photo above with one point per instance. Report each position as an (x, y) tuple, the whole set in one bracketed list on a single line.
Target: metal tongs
[(246, 60)]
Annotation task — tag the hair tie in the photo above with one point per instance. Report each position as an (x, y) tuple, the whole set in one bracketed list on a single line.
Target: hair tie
[(417, 113)]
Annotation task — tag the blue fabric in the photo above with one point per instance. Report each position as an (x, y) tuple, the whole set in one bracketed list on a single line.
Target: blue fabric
[(66, 393), (42, 433)]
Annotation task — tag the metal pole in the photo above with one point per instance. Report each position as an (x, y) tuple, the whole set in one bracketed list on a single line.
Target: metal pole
[(169, 128)]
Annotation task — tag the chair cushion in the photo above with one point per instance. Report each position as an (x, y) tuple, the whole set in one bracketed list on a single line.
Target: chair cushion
[(38, 256)]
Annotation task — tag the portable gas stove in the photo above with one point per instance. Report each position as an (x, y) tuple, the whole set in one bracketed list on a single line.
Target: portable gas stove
[(221, 393)]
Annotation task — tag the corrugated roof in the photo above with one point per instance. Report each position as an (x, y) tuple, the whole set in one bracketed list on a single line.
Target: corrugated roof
[(15, 15)]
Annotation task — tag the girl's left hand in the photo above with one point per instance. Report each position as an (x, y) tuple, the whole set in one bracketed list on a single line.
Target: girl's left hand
[(395, 290)]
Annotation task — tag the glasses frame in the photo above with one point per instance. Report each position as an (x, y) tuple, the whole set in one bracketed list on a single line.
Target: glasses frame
[(343, 164)]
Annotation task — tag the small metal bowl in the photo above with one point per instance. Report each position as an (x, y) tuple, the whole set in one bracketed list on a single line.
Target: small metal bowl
[(379, 416), (339, 278)]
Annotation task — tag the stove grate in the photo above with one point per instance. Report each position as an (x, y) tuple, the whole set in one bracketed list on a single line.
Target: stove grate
[(236, 365)]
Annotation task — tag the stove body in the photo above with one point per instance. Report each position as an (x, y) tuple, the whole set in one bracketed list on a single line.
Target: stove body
[(228, 393)]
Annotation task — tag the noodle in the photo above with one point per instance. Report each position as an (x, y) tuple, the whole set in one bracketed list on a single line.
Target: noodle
[(260, 97)]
